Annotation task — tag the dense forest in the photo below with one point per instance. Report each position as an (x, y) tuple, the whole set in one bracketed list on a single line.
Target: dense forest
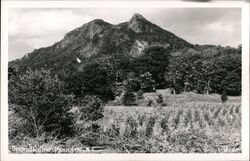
[(202, 69)]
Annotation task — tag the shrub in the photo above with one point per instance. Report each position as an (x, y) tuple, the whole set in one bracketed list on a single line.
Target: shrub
[(160, 100), (147, 82), (129, 99), (18, 128), (39, 100), (140, 94), (91, 109), (150, 102), (224, 96)]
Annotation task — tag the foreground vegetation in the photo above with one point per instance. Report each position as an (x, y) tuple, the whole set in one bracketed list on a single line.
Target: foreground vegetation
[(182, 126), (190, 117), (179, 128)]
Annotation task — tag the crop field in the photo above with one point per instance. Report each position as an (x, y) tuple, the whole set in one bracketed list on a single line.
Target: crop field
[(210, 127), (184, 126)]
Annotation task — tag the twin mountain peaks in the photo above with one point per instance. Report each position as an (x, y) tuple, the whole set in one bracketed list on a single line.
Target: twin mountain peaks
[(98, 38)]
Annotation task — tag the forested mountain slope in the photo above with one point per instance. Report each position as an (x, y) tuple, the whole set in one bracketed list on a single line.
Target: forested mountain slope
[(103, 59)]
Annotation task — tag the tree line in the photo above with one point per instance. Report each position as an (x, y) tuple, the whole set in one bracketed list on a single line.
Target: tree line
[(202, 69)]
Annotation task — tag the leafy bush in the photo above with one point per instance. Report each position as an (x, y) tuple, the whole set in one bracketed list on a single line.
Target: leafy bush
[(153, 64), (18, 128), (147, 82), (91, 108), (224, 96), (160, 100), (39, 100), (150, 102), (129, 99), (132, 82), (140, 94), (94, 79)]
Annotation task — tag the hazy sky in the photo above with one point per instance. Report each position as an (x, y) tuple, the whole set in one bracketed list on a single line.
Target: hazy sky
[(31, 29)]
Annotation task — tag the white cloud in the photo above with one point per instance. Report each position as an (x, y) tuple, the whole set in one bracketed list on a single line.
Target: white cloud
[(39, 22), (40, 28)]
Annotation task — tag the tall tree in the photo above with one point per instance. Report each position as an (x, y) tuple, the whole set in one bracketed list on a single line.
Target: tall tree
[(155, 61)]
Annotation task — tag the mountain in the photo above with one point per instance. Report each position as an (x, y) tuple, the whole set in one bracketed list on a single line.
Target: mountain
[(103, 59), (98, 38)]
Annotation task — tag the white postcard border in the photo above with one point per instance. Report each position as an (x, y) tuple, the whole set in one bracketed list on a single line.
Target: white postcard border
[(123, 4)]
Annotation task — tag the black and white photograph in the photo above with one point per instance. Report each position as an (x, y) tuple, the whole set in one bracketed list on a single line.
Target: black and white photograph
[(135, 80)]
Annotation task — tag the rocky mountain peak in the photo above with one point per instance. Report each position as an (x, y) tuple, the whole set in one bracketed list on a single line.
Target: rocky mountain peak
[(96, 26), (98, 22), (86, 31), (137, 17), (139, 24)]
